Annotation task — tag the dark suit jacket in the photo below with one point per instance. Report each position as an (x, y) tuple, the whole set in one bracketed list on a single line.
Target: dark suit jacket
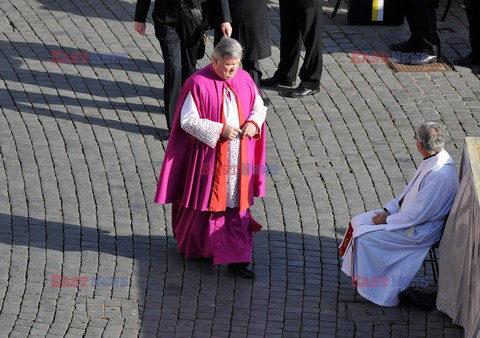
[(160, 10), (165, 9), (250, 24)]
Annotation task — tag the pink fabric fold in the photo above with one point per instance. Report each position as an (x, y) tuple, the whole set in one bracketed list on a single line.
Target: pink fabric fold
[(183, 177), (226, 235)]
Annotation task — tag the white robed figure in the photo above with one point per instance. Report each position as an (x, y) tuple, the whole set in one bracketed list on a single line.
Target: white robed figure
[(383, 249)]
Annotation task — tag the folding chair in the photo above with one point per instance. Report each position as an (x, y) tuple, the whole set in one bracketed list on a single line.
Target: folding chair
[(433, 255), (433, 260)]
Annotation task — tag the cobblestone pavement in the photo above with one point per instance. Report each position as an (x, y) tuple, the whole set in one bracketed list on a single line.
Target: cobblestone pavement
[(81, 146)]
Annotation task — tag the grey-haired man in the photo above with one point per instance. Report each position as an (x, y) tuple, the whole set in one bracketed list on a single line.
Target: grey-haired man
[(383, 249)]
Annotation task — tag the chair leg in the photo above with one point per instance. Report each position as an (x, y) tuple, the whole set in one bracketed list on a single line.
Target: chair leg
[(432, 262), (335, 10), (436, 265), (447, 8)]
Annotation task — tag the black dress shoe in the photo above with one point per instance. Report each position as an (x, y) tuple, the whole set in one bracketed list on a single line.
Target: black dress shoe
[(423, 58), (241, 270), (273, 82), (301, 92), (428, 55), (397, 46), (405, 47)]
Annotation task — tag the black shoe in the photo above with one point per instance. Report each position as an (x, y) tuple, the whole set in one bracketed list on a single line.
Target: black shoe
[(398, 46), (301, 92), (427, 55), (424, 58), (241, 270), (466, 61), (266, 101), (405, 47), (417, 58), (273, 82)]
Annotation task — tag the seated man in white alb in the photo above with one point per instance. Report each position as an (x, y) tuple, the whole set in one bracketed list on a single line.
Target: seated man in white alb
[(383, 249)]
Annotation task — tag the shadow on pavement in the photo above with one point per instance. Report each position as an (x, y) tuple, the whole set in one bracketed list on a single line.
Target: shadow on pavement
[(298, 290), (177, 295), (117, 10), (75, 91)]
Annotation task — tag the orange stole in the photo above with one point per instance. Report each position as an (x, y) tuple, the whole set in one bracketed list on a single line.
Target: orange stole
[(218, 198), (346, 240)]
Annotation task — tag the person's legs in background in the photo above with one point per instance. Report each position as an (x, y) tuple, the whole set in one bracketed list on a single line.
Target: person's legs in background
[(414, 42), (189, 60), (253, 68), (424, 40), (311, 28), (426, 19), (472, 9), (171, 52), (179, 50), (290, 45), (309, 20)]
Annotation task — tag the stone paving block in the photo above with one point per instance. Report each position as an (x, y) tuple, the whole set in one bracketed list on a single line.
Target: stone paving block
[(81, 146)]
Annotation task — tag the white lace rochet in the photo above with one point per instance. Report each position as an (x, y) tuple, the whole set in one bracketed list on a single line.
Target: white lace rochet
[(208, 132)]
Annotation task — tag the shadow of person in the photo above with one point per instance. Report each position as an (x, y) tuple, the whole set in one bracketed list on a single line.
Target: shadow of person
[(171, 293), (107, 9), (71, 91)]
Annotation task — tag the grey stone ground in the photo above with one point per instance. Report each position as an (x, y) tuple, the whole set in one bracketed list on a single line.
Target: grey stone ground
[(81, 146)]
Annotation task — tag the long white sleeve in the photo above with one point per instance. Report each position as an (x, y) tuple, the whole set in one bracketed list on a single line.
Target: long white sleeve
[(259, 112), (432, 202), (204, 130)]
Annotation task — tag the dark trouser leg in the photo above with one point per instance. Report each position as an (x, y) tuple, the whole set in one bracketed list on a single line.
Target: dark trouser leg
[(426, 19), (189, 61), (253, 68), (171, 52), (472, 8), (179, 60), (310, 20), (290, 42), (409, 12), (190, 37)]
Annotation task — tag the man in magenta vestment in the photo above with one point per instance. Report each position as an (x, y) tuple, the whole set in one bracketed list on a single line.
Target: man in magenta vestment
[(215, 162)]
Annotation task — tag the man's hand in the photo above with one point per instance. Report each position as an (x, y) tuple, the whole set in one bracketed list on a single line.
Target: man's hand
[(249, 129), (226, 29), (380, 218), (139, 27), (230, 132)]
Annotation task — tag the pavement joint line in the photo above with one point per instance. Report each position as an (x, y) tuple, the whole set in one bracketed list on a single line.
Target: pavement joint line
[(81, 147)]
